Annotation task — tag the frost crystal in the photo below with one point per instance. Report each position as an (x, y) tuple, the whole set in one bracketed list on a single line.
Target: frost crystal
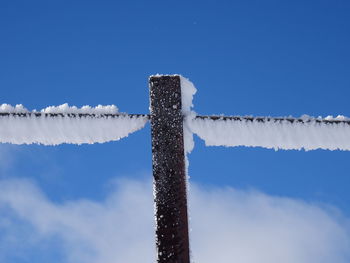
[(65, 124), (310, 134), (187, 92)]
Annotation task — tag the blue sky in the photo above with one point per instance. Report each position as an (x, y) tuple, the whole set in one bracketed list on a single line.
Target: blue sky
[(262, 58)]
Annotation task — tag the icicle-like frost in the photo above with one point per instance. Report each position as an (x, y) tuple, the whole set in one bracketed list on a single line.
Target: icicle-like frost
[(310, 134), (45, 128)]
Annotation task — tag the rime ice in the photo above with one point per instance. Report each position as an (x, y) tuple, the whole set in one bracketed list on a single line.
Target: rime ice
[(65, 124), (187, 92), (12, 109), (288, 134), (65, 108)]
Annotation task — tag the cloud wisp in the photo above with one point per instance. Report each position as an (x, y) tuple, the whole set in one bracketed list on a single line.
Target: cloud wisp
[(227, 225)]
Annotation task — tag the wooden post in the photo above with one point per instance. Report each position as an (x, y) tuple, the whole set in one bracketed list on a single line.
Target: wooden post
[(170, 195)]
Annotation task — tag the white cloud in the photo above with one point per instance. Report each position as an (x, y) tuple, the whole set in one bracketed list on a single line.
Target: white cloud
[(227, 226), (251, 227), (117, 230), (6, 156)]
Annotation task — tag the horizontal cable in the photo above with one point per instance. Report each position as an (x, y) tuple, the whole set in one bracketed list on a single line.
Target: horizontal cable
[(71, 115), (273, 119), (72, 128), (211, 117), (274, 133)]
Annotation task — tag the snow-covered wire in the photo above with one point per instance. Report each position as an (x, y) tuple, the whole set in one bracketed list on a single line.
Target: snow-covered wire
[(64, 124), (277, 133)]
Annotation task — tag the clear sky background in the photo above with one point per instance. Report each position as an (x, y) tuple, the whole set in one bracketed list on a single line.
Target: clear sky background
[(261, 58)]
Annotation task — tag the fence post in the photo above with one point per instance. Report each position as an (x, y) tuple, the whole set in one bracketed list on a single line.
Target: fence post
[(169, 177)]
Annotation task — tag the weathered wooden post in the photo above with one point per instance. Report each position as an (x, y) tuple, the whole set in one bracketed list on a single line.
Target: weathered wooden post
[(169, 174)]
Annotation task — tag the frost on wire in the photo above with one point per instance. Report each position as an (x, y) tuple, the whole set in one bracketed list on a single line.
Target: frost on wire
[(306, 133), (274, 133), (65, 124)]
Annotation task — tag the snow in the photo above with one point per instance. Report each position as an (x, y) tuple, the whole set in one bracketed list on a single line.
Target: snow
[(57, 125), (7, 108), (65, 108), (307, 133), (338, 118), (187, 92)]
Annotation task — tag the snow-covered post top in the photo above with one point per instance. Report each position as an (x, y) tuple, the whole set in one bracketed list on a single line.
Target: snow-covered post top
[(169, 174)]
